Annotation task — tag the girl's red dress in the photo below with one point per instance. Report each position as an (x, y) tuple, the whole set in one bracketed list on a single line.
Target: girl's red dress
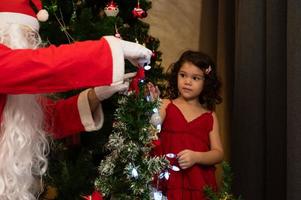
[(178, 134)]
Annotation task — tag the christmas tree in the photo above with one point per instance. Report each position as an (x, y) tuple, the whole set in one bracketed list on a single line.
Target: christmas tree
[(224, 192), (128, 171), (73, 162)]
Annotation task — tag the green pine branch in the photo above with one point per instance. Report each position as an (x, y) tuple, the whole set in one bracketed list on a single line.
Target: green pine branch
[(128, 171), (225, 191), (77, 20)]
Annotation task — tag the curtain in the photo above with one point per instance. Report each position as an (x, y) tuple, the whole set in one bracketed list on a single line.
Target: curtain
[(293, 99), (257, 47), (258, 148), (266, 119)]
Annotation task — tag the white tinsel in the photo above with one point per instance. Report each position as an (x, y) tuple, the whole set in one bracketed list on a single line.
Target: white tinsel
[(106, 167), (116, 141), (157, 195)]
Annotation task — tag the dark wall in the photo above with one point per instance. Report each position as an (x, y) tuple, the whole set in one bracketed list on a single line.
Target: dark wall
[(266, 139)]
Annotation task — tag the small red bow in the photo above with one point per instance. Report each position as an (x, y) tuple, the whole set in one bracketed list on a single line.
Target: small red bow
[(95, 196), (135, 81)]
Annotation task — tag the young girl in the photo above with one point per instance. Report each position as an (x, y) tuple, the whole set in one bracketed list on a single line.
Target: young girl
[(190, 132)]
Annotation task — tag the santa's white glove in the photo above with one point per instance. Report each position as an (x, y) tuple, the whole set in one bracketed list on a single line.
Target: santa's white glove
[(136, 53), (105, 92)]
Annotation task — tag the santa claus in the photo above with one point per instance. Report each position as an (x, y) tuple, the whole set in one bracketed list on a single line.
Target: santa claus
[(26, 71)]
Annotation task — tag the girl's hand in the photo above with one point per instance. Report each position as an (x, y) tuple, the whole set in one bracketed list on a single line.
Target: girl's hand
[(153, 91), (187, 158)]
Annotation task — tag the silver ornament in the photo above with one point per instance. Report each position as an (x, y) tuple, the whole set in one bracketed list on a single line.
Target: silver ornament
[(134, 173), (155, 119)]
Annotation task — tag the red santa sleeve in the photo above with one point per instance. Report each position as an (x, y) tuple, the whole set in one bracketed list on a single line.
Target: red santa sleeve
[(70, 116), (55, 69)]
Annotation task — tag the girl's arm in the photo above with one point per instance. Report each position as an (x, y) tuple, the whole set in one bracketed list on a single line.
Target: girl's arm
[(155, 94), (187, 158), (162, 109)]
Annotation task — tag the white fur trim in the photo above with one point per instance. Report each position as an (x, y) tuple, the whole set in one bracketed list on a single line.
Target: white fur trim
[(42, 15), (91, 121), (18, 18), (118, 59)]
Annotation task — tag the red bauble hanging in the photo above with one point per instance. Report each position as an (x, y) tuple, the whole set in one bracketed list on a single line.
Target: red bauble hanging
[(95, 196), (134, 85), (111, 9), (154, 55), (139, 12)]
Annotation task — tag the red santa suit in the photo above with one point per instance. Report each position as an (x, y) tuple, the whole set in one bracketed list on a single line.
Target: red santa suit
[(70, 116), (56, 69), (27, 70)]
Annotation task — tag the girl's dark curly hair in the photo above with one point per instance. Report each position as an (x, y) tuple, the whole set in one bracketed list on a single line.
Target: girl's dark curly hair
[(210, 96)]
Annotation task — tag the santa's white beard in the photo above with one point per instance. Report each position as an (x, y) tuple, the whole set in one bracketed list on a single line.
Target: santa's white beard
[(23, 143), (23, 148), (18, 36)]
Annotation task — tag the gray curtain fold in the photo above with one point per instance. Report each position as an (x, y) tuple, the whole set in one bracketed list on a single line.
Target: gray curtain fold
[(293, 99), (248, 138), (275, 102), (259, 141), (265, 135), (266, 117)]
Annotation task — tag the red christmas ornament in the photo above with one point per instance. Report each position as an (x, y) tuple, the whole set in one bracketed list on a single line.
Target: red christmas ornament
[(111, 9), (134, 85), (154, 55), (157, 148), (139, 12), (95, 196), (156, 143)]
